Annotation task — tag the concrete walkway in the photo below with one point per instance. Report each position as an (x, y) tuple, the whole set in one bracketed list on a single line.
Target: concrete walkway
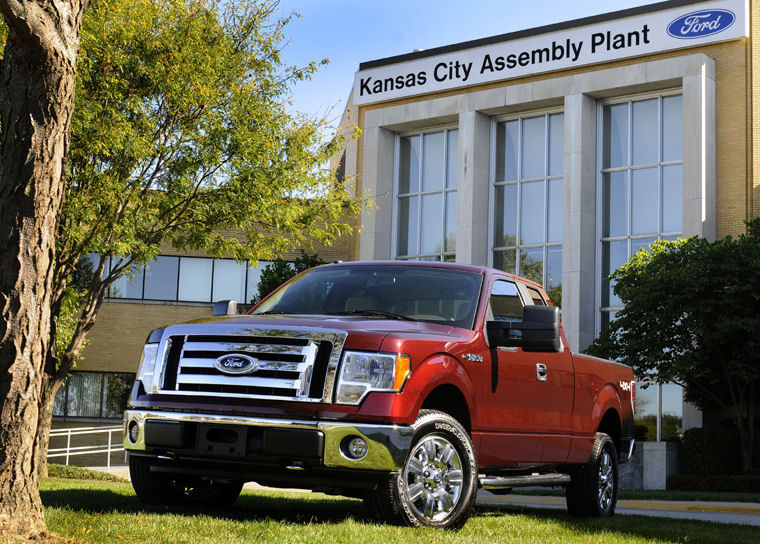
[(721, 512)]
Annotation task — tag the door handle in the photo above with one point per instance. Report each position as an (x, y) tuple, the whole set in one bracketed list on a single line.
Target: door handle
[(541, 372)]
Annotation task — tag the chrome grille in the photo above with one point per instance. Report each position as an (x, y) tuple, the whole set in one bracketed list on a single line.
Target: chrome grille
[(291, 364)]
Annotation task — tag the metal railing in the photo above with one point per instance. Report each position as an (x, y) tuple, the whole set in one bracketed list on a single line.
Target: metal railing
[(89, 449)]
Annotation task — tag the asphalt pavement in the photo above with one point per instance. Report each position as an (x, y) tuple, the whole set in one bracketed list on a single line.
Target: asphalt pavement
[(739, 513)]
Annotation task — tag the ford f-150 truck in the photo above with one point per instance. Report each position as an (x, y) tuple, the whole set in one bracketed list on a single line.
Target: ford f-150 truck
[(409, 384)]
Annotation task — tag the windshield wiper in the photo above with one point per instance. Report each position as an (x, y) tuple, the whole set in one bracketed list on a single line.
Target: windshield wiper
[(274, 312), (378, 313)]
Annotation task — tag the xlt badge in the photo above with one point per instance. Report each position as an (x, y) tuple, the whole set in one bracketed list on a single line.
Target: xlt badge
[(473, 357)]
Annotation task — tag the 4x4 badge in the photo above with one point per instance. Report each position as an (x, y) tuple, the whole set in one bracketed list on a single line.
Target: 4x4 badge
[(236, 363)]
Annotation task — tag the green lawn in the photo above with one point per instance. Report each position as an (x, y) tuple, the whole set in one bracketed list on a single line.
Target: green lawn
[(97, 511)]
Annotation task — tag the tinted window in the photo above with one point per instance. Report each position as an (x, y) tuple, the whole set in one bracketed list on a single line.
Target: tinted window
[(435, 295), (505, 302)]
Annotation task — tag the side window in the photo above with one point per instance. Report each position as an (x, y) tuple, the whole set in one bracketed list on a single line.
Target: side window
[(536, 297), (505, 302)]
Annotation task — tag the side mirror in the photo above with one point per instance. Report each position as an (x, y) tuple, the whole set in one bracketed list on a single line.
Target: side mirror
[(225, 307), (539, 331)]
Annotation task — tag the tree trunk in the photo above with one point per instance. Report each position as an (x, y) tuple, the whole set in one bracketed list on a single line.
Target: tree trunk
[(50, 387), (37, 80)]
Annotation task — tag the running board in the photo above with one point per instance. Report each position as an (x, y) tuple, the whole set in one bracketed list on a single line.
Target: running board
[(494, 482)]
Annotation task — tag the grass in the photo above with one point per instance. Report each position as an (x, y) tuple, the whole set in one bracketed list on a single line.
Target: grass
[(79, 473), (100, 511), (655, 494)]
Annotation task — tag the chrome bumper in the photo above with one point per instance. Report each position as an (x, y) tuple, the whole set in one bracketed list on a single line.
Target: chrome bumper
[(388, 445)]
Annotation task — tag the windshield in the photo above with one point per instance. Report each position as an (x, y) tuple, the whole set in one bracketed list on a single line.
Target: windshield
[(436, 295)]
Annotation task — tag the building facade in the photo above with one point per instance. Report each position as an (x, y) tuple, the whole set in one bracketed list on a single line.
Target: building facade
[(558, 152)]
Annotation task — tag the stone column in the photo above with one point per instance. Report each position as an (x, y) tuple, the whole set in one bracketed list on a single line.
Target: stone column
[(473, 189), (377, 180), (579, 221)]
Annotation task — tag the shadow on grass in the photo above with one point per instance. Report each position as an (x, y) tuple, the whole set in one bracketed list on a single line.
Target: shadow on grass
[(250, 506), (661, 529)]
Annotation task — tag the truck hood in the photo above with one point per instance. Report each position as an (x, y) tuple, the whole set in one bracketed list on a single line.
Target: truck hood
[(364, 332)]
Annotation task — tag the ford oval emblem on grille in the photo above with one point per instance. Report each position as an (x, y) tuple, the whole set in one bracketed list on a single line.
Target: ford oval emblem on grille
[(701, 23), (236, 363)]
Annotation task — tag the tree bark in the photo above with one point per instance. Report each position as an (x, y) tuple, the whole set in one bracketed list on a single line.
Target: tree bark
[(37, 81)]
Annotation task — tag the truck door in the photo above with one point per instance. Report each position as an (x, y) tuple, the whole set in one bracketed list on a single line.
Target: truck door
[(513, 415), (559, 390)]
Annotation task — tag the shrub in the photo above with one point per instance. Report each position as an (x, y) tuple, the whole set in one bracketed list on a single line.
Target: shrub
[(711, 451), (741, 483)]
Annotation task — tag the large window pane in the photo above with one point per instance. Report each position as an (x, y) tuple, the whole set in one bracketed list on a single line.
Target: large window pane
[(556, 144), (433, 162), (529, 210), (425, 214), (672, 198), (409, 170), (641, 243), (532, 210), (615, 136), (672, 412), (407, 226), (431, 224), (229, 280), (161, 278), (553, 284), (554, 207), (615, 202), (195, 279), (506, 260), (532, 264), (117, 390), (130, 285), (452, 159), (506, 215), (506, 150), (645, 410), (672, 128), (84, 391), (451, 222), (614, 255), (645, 201), (534, 148), (645, 134), (254, 277)]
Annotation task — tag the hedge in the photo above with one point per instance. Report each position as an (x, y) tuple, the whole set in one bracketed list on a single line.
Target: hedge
[(742, 483)]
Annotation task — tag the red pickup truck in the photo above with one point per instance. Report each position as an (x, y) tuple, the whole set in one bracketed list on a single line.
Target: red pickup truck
[(408, 384)]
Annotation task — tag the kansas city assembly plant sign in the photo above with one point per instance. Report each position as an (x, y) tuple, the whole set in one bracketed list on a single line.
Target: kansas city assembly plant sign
[(637, 35)]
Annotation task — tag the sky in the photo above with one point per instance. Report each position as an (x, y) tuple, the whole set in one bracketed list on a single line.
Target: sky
[(348, 32)]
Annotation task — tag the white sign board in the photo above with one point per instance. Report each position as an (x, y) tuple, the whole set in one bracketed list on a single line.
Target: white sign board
[(645, 34)]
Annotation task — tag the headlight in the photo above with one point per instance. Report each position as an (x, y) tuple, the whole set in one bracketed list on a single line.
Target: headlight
[(147, 366), (362, 372)]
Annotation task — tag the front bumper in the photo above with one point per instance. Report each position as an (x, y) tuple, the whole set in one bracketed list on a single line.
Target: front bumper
[(288, 443)]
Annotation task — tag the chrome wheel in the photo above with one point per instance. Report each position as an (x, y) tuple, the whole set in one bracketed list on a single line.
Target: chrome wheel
[(606, 486), (434, 478)]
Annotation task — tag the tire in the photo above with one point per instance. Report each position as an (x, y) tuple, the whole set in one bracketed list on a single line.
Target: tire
[(593, 487), (173, 489), (439, 480)]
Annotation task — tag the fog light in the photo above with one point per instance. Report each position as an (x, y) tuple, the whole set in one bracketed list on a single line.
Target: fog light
[(134, 432), (355, 447)]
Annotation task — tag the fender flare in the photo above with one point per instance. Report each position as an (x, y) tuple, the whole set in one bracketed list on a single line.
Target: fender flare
[(438, 370), (607, 399)]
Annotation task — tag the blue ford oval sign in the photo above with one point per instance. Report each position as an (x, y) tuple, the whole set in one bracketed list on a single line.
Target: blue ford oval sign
[(236, 363), (701, 23)]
